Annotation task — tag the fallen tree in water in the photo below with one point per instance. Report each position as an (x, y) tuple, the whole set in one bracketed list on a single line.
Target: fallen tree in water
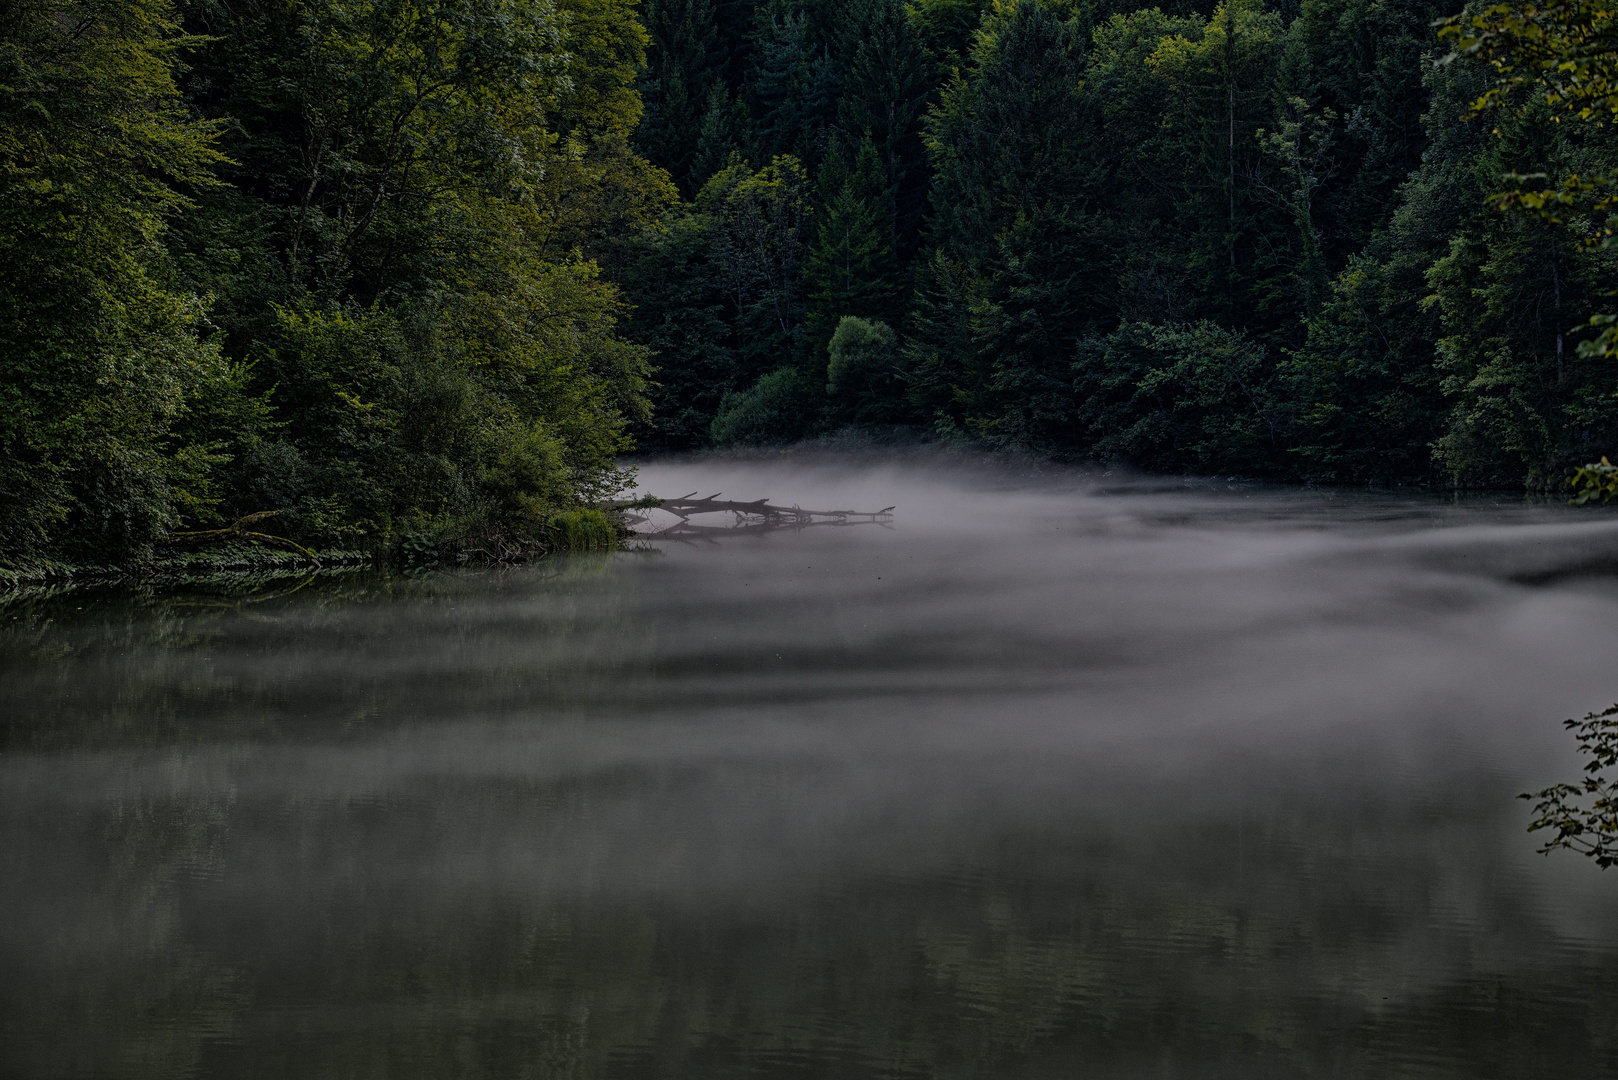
[(756, 516)]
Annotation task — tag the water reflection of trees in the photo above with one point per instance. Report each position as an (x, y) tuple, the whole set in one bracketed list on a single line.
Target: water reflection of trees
[(240, 657), (223, 936), (193, 911)]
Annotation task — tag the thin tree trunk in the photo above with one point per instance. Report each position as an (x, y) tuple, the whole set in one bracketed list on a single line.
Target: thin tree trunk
[(1230, 148), (1556, 283)]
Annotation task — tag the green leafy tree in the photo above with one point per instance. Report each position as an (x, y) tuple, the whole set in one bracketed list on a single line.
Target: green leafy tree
[(780, 407), (1554, 75), (1584, 816), (1186, 398), (425, 189), (861, 374), (101, 359), (1364, 63)]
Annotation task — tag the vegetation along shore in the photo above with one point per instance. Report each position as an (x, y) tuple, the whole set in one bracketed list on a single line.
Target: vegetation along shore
[(395, 276)]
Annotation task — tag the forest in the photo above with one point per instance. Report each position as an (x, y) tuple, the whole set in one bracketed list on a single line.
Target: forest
[(408, 271)]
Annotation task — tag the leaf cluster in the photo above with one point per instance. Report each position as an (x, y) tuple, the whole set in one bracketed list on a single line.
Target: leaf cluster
[(1587, 827)]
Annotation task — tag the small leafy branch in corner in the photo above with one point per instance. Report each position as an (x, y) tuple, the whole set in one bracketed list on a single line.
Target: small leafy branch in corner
[(1594, 482), (1588, 828)]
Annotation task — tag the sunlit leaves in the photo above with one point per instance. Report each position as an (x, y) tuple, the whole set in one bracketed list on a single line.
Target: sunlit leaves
[(1594, 482), (1569, 51)]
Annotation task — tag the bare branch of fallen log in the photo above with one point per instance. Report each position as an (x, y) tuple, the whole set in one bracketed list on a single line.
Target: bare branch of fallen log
[(756, 516), (238, 531)]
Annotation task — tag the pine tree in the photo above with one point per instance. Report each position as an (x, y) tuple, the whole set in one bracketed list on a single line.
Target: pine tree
[(851, 268), (1014, 198), (791, 83), (678, 85), (886, 78)]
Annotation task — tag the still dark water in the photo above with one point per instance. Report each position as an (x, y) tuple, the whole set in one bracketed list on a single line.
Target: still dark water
[(1050, 779)]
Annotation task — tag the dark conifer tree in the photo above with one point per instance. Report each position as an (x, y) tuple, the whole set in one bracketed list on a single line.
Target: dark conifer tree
[(1014, 199), (852, 269), (726, 130), (678, 85), (792, 83), (886, 79)]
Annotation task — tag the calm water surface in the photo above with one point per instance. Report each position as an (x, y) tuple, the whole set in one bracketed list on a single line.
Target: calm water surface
[(1050, 779)]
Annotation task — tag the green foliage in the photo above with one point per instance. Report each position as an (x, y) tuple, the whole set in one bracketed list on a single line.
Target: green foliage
[(760, 218), (945, 28), (1568, 50), (851, 265), (100, 359), (1364, 392), (679, 87), (1193, 398), (392, 208), (791, 85), (683, 315), (779, 408), (582, 530), (398, 423), (1011, 198), (1523, 405), (1588, 828), (439, 337), (1594, 482), (380, 263), (885, 81), (861, 372)]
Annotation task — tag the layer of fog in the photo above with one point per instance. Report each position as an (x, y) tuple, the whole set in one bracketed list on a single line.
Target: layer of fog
[(1126, 672)]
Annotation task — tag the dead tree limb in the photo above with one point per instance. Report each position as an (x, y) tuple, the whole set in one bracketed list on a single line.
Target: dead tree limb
[(755, 516), (238, 531)]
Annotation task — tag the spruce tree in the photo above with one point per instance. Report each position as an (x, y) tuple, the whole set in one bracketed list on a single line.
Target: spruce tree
[(1014, 199), (726, 129), (678, 85), (886, 77), (791, 83), (851, 269)]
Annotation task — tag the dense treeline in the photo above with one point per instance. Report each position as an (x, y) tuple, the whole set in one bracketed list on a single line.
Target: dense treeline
[(1197, 237), (335, 258), (403, 270)]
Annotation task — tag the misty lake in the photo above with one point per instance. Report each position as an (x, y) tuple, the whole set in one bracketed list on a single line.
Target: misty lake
[(1058, 775)]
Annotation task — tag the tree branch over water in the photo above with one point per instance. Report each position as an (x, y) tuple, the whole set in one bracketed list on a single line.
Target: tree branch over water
[(1590, 829)]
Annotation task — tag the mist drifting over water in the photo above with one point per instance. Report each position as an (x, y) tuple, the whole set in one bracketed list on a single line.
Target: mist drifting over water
[(1060, 774)]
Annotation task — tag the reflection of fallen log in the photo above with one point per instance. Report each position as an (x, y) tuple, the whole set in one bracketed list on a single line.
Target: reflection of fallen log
[(749, 517)]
